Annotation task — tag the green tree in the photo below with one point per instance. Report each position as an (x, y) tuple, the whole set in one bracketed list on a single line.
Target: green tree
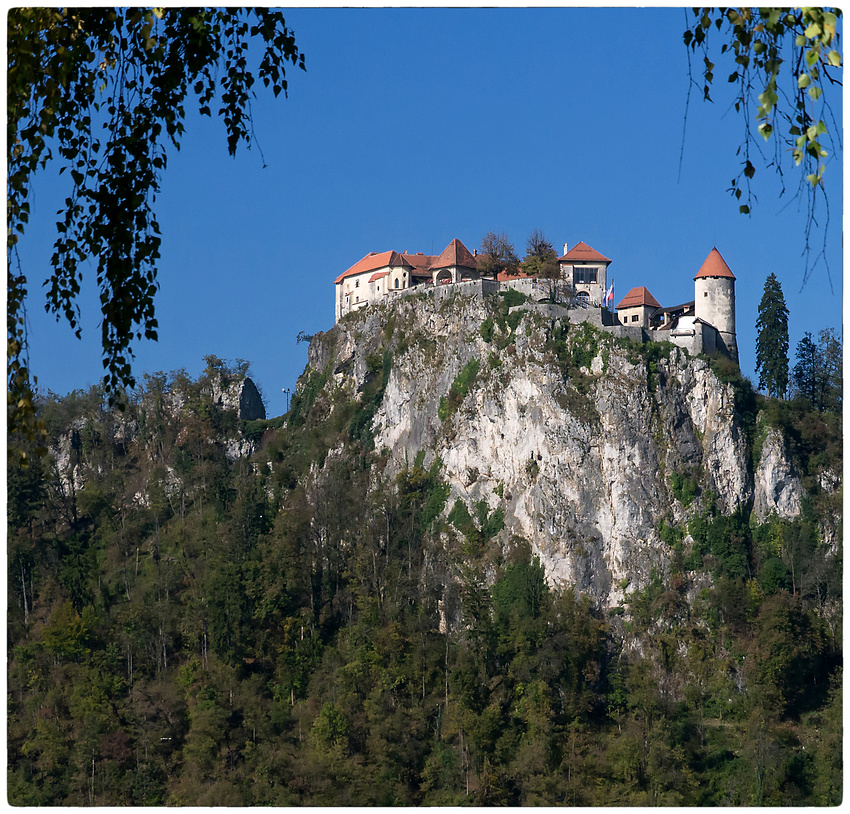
[(106, 87), (772, 339), (833, 366), (817, 373), (541, 261), (781, 60), (497, 254), (807, 371)]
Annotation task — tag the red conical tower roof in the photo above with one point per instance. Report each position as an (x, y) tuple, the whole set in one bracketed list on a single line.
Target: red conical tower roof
[(714, 266)]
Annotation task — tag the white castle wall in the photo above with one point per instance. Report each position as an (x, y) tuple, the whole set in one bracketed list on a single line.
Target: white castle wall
[(712, 328)]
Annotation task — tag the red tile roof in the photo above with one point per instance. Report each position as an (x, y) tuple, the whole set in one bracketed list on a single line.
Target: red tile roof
[(371, 262), (714, 266), (638, 296), (581, 252), (377, 276), (502, 276), (455, 254), (421, 263)]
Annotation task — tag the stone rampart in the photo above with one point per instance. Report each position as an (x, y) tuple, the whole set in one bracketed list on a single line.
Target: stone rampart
[(697, 338), (470, 288)]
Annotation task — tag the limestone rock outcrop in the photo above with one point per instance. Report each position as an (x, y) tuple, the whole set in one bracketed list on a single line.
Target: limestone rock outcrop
[(240, 395), (580, 455), (778, 489)]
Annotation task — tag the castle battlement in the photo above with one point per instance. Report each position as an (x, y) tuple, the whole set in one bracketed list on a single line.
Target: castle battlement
[(704, 324)]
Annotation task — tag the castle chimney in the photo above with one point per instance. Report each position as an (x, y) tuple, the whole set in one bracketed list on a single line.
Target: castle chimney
[(566, 247)]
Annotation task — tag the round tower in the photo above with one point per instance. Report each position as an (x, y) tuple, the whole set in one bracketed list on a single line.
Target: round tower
[(714, 300)]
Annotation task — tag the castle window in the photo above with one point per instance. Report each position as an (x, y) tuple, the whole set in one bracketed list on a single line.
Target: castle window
[(585, 274), (635, 318), (396, 282), (357, 283)]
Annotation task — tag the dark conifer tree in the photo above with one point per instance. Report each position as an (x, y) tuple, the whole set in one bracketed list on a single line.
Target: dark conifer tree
[(807, 371), (817, 373), (772, 341)]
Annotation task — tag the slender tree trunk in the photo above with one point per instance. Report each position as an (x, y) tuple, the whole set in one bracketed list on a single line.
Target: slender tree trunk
[(24, 594)]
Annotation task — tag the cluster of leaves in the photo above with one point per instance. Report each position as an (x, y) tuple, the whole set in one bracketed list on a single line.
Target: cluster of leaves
[(585, 346), (296, 629), (725, 540), (574, 349), (377, 378), (541, 261), (497, 255), (478, 530), (502, 318), (685, 487), (107, 87), (783, 59), (459, 388)]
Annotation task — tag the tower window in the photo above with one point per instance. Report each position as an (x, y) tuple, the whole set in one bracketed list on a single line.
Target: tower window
[(396, 282), (585, 274)]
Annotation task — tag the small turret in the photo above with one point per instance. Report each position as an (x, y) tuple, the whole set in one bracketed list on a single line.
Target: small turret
[(714, 299)]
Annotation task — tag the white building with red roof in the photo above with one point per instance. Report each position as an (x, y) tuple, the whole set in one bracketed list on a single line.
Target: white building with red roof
[(636, 307), (379, 274), (706, 324), (586, 271), (454, 265)]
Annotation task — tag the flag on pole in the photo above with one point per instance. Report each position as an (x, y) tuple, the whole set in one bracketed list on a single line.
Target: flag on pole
[(609, 296)]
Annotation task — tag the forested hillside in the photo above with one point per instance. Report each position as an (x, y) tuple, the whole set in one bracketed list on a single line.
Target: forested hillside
[(209, 611)]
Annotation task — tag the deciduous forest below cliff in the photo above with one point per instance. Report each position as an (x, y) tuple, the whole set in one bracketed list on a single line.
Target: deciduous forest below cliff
[(208, 611)]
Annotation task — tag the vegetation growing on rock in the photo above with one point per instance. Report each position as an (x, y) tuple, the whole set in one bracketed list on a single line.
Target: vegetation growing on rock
[(206, 611)]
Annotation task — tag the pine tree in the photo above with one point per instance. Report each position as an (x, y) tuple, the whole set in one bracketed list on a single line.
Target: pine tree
[(817, 374), (772, 341), (807, 371)]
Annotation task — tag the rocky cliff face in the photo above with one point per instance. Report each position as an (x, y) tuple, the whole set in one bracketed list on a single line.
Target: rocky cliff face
[(587, 443), (236, 395), (778, 489)]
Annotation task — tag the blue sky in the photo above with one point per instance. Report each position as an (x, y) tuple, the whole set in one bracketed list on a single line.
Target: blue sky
[(412, 127)]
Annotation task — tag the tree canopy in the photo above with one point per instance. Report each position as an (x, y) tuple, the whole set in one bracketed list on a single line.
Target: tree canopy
[(541, 261), (772, 339), (497, 255), (817, 374), (106, 89), (306, 626)]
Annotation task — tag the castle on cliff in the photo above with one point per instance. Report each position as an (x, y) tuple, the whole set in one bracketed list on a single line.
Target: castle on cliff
[(705, 324)]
